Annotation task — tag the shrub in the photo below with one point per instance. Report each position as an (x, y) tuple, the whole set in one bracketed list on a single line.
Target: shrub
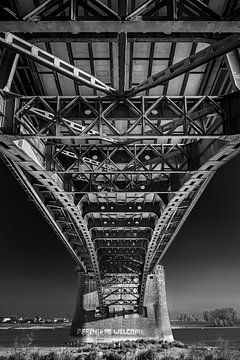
[(92, 356), (221, 353), (228, 353), (51, 356), (17, 356), (146, 355), (179, 344), (112, 356), (209, 357)]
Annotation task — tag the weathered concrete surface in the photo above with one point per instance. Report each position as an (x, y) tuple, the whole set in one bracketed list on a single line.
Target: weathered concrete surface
[(154, 324)]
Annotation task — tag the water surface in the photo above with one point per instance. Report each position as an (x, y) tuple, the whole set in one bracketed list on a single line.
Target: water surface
[(59, 336)]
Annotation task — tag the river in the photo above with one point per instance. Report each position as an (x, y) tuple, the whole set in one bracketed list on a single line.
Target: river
[(59, 336)]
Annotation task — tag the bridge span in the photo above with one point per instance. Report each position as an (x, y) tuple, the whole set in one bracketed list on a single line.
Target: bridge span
[(114, 129)]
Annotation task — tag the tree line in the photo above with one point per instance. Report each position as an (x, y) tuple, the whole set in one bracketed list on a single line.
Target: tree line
[(226, 316)]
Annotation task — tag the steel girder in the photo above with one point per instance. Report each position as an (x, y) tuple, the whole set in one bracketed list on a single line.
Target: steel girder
[(112, 221), (114, 27)]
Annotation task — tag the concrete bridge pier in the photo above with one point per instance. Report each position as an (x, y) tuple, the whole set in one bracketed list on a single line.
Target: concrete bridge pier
[(86, 302), (160, 305), (121, 325)]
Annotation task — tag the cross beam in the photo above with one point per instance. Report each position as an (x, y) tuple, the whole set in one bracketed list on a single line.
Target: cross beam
[(180, 117), (145, 27)]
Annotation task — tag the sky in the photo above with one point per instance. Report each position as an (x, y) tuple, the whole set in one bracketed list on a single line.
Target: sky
[(202, 265)]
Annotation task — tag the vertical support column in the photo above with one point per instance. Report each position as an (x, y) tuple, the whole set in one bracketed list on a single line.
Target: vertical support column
[(233, 64), (73, 10), (122, 8), (49, 163), (122, 46), (122, 49), (160, 307), (78, 316), (86, 302), (8, 65)]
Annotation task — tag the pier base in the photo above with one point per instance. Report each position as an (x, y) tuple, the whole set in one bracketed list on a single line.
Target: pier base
[(117, 323)]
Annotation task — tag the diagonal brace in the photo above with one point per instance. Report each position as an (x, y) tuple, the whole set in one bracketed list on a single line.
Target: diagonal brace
[(220, 48), (45, 58), (46, 5), (145, 6)]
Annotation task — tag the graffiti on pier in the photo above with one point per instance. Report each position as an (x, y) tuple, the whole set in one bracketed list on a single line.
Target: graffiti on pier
[(110, 332)]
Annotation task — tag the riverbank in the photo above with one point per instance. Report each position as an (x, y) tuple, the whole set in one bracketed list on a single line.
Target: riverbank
[(112, 351), (34, 326), (129, 351), (67, 325)]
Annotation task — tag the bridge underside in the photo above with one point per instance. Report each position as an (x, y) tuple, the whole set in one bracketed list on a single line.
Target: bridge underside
[(114, 130)]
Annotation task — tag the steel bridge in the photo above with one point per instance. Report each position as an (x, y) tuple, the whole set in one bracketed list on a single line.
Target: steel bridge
[(114, 116)]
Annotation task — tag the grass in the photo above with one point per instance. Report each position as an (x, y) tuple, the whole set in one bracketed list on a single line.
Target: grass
[(130, 350)]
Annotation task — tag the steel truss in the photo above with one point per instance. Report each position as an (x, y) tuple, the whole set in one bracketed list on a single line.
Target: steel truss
[(109, 121), (116, 176), (122, 163), (162, 10), (121, 289)]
